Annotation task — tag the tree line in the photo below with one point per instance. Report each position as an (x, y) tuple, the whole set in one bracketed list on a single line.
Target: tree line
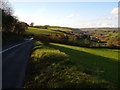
[(12, 28)]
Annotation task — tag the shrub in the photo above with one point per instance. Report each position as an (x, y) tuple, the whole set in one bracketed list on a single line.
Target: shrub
[(72, 38), (43, 38), (98, 45)]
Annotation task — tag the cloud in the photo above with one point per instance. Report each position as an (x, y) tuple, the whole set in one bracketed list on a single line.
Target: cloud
[(94, 25), (73, 15), (112, 15), (115, 10)]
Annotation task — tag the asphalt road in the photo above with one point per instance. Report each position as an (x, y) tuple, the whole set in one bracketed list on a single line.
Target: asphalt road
[(14, 62)]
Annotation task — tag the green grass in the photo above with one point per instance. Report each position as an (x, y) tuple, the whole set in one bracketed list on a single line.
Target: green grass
[(32, 30), (50, 67), (61, 29), (102, 63), (108, 53)]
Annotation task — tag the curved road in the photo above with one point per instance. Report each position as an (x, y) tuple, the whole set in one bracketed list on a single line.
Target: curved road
[(14, 61)]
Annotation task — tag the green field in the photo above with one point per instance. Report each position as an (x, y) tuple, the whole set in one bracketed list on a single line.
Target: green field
[(102, 63), (92, 66), (61, 29), (32, 30)]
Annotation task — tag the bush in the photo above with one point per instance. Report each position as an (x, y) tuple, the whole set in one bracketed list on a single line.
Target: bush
[(43, 38), (98, 45)]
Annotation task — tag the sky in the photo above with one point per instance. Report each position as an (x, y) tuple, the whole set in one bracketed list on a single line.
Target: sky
[(68, 14)]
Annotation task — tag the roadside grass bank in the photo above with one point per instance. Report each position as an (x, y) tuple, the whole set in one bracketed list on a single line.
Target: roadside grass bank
[(8, 38), (49, 67)]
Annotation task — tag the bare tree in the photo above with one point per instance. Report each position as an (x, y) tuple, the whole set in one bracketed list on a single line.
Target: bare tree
[(5, 5), (8, 20)]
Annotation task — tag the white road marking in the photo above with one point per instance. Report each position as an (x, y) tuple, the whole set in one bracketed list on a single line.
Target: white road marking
[(12, 47)]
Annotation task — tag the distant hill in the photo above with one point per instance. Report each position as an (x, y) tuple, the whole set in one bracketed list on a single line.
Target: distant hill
[(99, 29), (78, 30)]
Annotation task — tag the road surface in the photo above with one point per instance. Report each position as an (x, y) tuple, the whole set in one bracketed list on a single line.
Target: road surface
[(14, 62)]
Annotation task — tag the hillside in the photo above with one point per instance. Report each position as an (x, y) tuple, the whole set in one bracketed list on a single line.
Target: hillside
[(32, 30), (99, 29)]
